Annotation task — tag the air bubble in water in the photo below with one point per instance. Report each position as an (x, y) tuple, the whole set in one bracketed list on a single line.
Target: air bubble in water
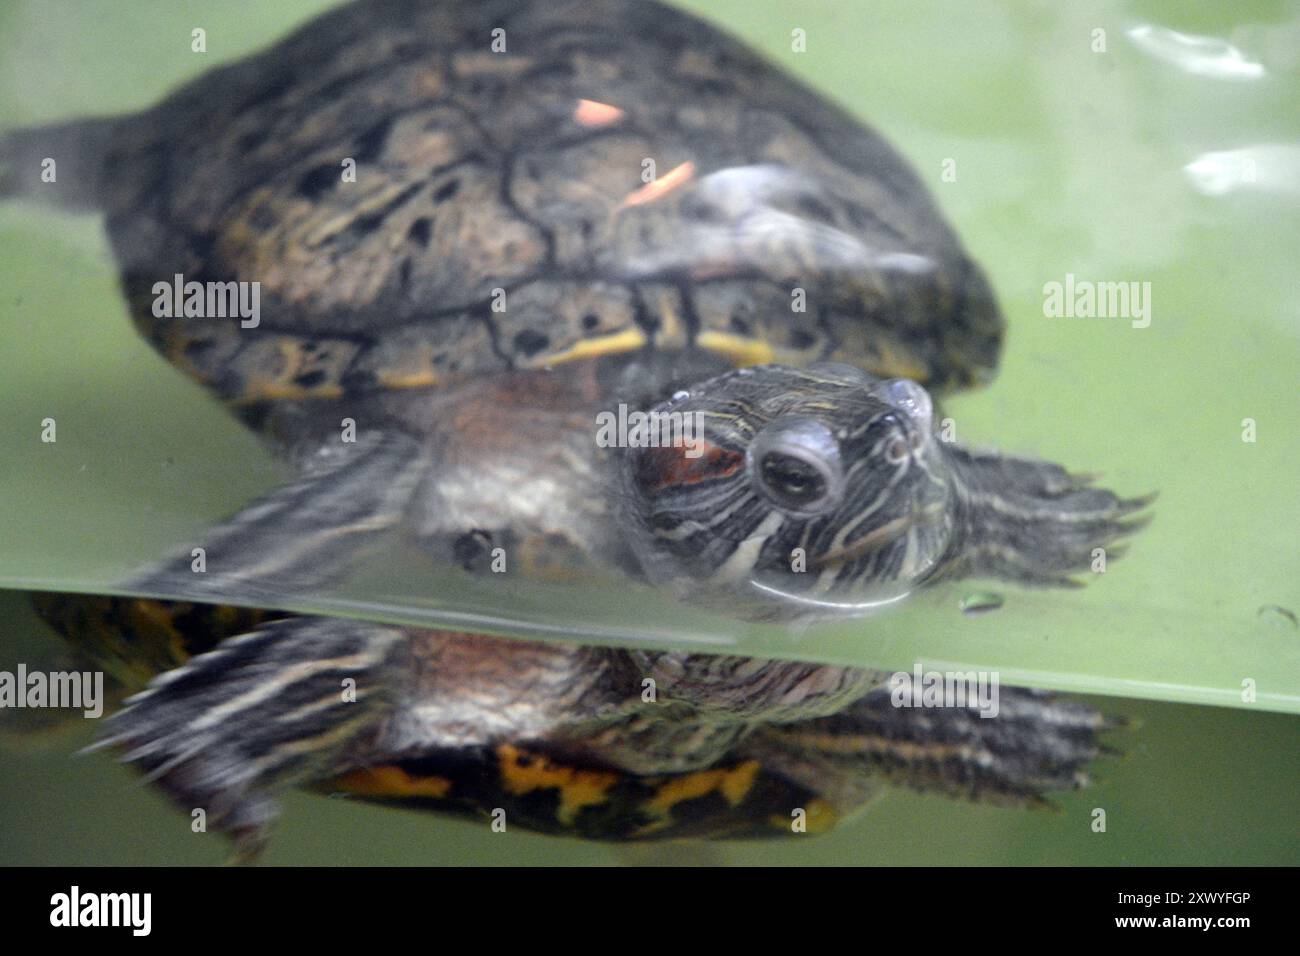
[(980, 603), (1278, 616)]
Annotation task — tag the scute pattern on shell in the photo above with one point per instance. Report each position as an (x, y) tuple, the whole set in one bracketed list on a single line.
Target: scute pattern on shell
[(481, 180)]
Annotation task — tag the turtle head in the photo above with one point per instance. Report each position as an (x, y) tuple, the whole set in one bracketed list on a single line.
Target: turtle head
[(783, 493)]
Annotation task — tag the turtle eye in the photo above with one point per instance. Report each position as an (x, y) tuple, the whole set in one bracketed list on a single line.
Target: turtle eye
[(791, 480), (796, 466)]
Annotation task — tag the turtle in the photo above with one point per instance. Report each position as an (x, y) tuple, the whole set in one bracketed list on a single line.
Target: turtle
[(476, 231)]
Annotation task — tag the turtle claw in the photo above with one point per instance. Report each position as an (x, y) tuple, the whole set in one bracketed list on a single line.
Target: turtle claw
[(166, 767), (303, 535), (249, 845), (1035, 523), (1142, 502), (1111, 721), (227, 731), (103, 743)]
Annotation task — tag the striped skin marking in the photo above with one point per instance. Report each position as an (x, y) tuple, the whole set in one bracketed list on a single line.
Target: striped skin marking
[(887, 533), (389, 781), (996, 765), (276, 684), (737, 349), (740, 564), (670, 466), (522, 773), (862, 744)]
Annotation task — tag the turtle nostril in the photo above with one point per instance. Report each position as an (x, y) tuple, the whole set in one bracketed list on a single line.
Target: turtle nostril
[(909, 399)]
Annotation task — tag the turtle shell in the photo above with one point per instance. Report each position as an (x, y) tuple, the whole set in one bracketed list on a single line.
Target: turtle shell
[(431, 191)]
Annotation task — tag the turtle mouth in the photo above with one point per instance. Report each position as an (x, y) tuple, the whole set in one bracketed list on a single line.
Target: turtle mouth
[(825, 607), (888, 533)]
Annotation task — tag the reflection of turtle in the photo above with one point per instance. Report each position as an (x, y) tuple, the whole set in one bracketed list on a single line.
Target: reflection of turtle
[(462, 247)]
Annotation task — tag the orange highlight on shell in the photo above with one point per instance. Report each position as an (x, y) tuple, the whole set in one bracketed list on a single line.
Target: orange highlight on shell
[(665, 184), (594, 115)]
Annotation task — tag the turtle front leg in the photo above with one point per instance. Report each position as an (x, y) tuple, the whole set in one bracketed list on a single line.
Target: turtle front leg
[(282, 705), (1033, 522), (1036, 744), (302, 536)]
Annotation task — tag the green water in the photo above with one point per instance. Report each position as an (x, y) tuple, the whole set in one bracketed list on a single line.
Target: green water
[(1114, 166)]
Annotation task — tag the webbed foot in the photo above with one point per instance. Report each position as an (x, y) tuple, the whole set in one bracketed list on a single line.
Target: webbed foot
[(228, 730)]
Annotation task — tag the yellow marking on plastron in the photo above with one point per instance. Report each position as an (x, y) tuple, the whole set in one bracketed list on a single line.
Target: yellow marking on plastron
[(595, 115), (392, 782), (626, 341), (577, 788), (146, 613), (822, 817), (156, 614), (738, 781), (736, 349), (819, 817), (734, 784), (661, 186)]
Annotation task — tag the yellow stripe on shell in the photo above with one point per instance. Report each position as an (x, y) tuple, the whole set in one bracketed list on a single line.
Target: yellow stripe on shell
[(628, 340), (737, 349)]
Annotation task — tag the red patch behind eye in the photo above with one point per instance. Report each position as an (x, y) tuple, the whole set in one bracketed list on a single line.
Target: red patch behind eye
[(670, 466)]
